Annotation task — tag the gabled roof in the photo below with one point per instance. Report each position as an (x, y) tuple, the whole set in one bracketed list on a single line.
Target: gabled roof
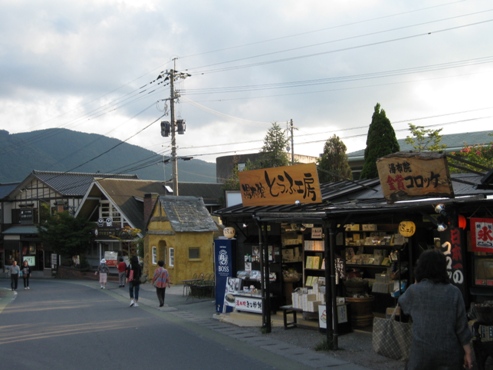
[(6, 189), (67, 184), (187, 214), (126, 195)]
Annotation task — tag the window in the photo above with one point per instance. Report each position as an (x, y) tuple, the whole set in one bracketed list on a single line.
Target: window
[(107, 211), (154, 255), (193, 253), (171, 257)]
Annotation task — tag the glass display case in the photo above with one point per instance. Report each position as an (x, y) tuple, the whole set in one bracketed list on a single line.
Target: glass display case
[(483, 270)]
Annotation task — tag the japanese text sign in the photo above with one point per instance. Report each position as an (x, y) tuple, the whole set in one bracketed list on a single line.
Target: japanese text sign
[(280, 185), (414, 175), (453, 252), (249, 304), (482, 235)]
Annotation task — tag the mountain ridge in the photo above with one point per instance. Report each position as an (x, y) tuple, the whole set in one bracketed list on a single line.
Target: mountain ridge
[(63, 150)]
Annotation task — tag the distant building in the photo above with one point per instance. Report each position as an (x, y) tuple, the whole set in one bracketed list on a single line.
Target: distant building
[(225, 165), (116, 199)]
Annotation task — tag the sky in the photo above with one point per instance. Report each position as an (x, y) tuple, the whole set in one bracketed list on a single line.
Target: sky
[(93, 66)]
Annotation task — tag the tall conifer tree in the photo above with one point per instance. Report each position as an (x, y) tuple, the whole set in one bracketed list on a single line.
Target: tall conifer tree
[(273, 152), (381, 141)]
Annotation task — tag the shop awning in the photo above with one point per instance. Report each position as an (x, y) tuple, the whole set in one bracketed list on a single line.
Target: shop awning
[(21, 230)]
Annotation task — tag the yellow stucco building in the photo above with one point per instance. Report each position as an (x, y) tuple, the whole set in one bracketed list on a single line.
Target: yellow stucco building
[(180, 231)]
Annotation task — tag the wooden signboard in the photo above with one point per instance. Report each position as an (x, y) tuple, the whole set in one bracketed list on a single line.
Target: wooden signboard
[(406, 175), (280, 185)]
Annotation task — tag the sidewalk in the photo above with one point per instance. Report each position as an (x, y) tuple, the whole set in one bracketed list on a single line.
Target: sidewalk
[(355, 348)]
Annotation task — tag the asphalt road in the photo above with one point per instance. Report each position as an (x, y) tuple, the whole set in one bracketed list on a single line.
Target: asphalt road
[(62, 324)]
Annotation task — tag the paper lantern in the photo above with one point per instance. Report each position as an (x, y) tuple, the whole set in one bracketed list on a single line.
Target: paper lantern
[(407, 228), (229, 232), (461, 222)]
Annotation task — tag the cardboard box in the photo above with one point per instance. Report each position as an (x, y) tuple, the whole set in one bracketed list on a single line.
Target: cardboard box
[(382, 287), (307, 298), (382, 278), (312, 306), (296, 299)]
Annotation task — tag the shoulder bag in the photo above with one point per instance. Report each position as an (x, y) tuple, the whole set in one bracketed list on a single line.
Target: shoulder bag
[(130, 274), (391, 338)]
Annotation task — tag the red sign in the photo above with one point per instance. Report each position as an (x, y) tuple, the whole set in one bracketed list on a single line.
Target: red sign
[(482, 235)]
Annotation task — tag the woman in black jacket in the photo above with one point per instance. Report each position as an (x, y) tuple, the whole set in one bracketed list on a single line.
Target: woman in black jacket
[(133, 279), (26, 273)]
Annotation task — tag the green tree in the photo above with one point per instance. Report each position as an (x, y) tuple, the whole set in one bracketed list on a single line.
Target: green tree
[(479, 154), (66, 235), (381, 141), (233, 182), (333, 164), (425, 139), (273, 152), (128, 237)]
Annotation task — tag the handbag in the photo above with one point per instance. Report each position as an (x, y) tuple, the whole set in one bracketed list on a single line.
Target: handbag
[(131, 275), (391, 338)]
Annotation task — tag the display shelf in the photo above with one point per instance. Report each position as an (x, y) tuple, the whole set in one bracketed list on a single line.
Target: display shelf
[(367, 266), (313, 263), (378, 255)]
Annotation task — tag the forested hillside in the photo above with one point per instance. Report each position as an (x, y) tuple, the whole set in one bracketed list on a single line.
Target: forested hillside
[(72, 151)]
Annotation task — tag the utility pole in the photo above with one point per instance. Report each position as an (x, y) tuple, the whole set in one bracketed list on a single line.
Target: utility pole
[(290, 128), (174, 161), (292, 142), (171, 127)]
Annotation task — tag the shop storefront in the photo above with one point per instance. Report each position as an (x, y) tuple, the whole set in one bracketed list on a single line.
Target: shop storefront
[(22, 243), (353, 245)]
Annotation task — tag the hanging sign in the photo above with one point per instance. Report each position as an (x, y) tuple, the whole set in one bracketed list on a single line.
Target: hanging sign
[(406, 175), (407, 229), (482, 235), (454, 254), (296, 184)]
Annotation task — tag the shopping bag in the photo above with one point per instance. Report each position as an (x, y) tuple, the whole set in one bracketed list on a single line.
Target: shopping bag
[(391, 338)]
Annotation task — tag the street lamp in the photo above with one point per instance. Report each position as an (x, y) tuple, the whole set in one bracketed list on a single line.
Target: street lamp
[(175, 179)]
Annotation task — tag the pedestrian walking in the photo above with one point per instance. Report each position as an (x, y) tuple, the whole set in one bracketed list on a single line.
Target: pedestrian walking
[(14, 275), (103, 271), (133, 278), (26, 274), (161, 281), (122, 272), (441, 336)]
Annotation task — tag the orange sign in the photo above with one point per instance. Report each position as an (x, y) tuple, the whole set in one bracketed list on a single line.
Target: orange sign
[(406, 175), (280, 185)]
